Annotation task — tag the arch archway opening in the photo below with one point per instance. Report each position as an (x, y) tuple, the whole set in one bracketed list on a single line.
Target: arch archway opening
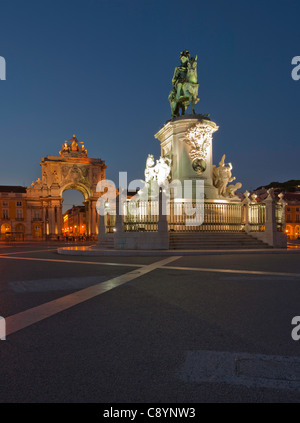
[(74, 215)]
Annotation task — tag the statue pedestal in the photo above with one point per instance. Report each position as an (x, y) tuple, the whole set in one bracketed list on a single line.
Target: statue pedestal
[(187, 141)]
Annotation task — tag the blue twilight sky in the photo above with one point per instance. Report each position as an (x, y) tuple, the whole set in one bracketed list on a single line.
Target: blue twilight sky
[(102, 69)]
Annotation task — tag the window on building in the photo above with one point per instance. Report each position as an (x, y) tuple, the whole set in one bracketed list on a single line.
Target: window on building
[(4, 203), (19, 214), (297, 209), (297, 218), (288, 218), (5, 214), (37, 214), (19, 204)]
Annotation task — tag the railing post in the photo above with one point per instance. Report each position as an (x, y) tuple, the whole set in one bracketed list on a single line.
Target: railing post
[(283, 204), (162, 218), (246, 219), (119, 216), (101, 231), (271, 225), (273, 237)]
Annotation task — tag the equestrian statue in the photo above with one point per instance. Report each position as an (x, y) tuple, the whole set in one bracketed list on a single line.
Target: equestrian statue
[(185, 85)]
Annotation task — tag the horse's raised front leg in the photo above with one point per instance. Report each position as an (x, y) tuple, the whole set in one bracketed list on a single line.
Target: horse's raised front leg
[(193, 106)]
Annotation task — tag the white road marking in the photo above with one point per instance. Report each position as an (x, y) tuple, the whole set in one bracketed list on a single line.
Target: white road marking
[(27, 252), (250, 370), (196, 269), (71, 261), (250, 278), (29, 317), (236, 271), (55, 284)]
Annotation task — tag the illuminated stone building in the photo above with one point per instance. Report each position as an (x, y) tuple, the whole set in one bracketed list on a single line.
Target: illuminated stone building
[(75, 222), (13, 213), (293, 215), (35, 213)]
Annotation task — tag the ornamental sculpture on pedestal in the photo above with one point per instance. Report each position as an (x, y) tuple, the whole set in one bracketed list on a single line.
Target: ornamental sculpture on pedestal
[(199, 138), (222, 177)]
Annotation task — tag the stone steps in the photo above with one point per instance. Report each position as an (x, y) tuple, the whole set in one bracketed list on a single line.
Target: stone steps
[(107, 244), (205, 241), (214, 241)]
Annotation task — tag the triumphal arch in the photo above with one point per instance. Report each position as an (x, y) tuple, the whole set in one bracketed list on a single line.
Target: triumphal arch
[(72, 169)]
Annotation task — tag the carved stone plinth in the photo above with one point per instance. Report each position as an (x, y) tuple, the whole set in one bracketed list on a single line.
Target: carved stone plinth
[(187, 141)]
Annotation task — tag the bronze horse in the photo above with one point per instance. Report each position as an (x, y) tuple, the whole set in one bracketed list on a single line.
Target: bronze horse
[(188, 93)]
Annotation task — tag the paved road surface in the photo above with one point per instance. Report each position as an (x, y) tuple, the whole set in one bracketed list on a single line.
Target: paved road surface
[(148, 329)]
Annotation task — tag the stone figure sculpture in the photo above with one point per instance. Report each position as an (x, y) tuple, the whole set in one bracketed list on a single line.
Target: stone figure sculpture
[(156, 175), (163, 169), (45, 178), (185, 85), (55, 177), (150, 169), (231, 190), (74, 144), (36, 184), (222, 176), (65, 148), (73, 149), (159, 172)]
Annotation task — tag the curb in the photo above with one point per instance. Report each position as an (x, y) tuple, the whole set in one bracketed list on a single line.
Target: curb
[(85, 251)]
